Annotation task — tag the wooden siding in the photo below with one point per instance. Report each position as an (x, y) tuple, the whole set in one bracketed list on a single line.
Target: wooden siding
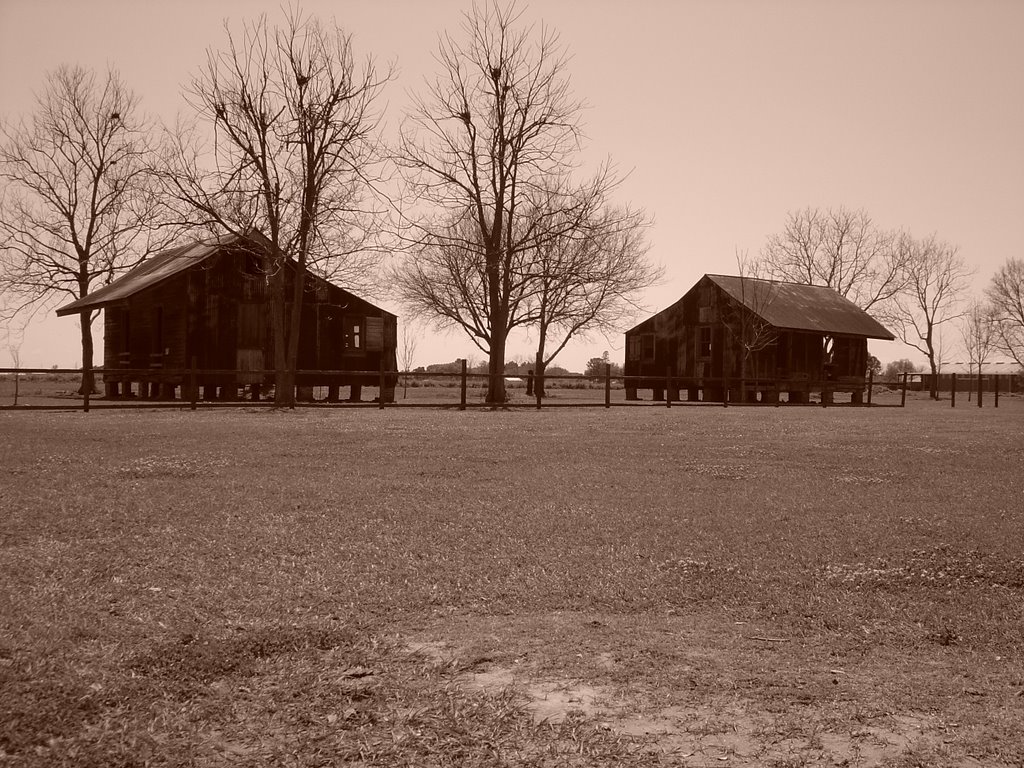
[(699, 338), (218, 312)]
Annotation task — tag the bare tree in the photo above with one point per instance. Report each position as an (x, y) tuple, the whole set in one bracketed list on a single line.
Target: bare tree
[(407, 344), (978, 332), (446, 281), (12, 335), (937, 278), (293, 147), (587, 280), (744, 320), (492, 135), (1006, 295), (841, 249), (79, 205)]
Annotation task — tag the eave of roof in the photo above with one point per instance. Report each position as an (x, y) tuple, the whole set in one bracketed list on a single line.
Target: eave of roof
[(150, 272), (799, 307), (167, 264)]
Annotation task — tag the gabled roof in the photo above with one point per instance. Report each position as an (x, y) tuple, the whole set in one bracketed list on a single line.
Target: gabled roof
[(151, 271), (798, 307)]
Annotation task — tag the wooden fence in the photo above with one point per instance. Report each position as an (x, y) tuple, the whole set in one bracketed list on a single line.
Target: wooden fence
[(226, 396), (976, 386)]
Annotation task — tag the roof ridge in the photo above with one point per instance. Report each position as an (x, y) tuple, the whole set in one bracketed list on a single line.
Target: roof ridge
[(773, 280)]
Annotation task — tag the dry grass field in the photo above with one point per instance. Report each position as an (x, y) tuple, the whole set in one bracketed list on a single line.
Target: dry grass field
[(694, 587)]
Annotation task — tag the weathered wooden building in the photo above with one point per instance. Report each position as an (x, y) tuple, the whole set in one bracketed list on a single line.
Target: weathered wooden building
[(748, 339), (209, 302)]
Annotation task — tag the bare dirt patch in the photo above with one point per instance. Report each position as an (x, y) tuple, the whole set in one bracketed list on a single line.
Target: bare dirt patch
[(706, 705)]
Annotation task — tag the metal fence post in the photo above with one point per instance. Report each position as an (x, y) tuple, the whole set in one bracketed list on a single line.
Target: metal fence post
[(981, 386), (462, 401), (86, 391), (380, 385), (952, 390), (192, 385), (871, 385), (996, 393), (668, 387), (607, 385), (903, 397)]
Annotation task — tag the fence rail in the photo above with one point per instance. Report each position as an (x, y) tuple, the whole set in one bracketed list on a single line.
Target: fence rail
[(218, 391)]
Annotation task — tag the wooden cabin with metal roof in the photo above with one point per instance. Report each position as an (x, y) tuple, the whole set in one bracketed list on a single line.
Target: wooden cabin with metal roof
[(746, 339), (209, 302)]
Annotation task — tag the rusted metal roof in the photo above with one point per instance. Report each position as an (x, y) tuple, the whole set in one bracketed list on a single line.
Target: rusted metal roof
[(794, 306), (151, 271)]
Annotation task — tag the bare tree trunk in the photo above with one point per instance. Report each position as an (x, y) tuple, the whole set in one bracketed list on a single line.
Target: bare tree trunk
[(294, 327), (933, 387), (743, 376), (284, 389), (499, 334), (539, 366), (88, 377), (496, 368)]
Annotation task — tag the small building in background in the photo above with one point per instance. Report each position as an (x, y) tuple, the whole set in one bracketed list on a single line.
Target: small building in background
[(1005, 376), (209, 302), (747, 339)]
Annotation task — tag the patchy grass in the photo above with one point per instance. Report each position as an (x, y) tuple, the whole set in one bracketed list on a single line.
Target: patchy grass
[(768, 586)]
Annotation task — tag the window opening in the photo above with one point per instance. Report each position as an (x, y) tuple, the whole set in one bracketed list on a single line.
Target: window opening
[(704, 341), (634, 348), (353, 332), (828, 348), (648, 346)]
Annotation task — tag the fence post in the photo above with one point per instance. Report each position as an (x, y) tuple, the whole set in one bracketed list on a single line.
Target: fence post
[(871, 385), (952, 390), (996, 377), (380, 385), (607, 385), (981, 386), (462, 401), (193, 388), (86, 390), (538, 392), (903, 397), (668, 386)]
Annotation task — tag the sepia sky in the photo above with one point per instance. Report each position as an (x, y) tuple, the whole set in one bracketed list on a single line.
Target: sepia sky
[(726, 114)]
